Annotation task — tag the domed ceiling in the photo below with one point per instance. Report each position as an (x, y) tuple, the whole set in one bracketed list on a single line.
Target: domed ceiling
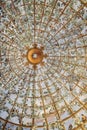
[(43, 65)]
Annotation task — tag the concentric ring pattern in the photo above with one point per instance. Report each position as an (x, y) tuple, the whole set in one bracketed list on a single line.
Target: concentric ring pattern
[(51, 95)]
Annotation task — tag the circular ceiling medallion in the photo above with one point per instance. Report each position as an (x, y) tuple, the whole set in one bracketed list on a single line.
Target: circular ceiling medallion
[(35, 56)]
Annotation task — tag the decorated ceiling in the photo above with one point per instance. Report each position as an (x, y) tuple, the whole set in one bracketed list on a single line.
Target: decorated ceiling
[(43, 64)]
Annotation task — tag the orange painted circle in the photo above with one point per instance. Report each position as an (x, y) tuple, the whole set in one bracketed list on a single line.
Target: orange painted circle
[(35, 56)]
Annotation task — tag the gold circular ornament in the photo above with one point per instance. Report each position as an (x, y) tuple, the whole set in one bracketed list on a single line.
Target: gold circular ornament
[(35, 56)]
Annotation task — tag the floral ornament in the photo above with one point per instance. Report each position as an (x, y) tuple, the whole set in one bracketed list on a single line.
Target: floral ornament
[(35, 56)]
